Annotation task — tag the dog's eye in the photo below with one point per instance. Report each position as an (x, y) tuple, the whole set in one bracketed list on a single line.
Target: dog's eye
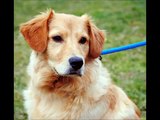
[(57, 38), (83, 40)]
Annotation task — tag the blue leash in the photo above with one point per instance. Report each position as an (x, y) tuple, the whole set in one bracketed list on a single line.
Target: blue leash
[(122, 48)]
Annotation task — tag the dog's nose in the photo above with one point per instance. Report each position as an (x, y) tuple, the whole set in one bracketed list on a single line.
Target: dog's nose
[(76, 62)]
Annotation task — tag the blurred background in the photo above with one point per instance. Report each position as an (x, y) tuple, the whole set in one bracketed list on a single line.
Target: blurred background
[(124, 22)]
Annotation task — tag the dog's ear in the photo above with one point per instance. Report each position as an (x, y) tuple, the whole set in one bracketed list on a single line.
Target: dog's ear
[(35, 31), (97, 38)]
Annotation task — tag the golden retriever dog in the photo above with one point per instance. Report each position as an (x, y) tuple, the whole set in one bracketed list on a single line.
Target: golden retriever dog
[(67, 79)]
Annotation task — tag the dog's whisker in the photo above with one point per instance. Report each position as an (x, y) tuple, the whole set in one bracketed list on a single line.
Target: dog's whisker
[(55, 71)]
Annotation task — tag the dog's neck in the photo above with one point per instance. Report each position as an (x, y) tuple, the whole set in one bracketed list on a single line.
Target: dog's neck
[(47, 80)]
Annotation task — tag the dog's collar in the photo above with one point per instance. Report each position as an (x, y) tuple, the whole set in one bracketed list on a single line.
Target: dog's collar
[(100, 58)]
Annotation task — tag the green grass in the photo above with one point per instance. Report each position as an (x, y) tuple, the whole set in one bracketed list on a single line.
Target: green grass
[(124, 21)]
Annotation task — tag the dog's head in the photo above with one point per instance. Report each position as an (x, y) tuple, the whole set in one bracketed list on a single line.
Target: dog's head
[(68, 41)]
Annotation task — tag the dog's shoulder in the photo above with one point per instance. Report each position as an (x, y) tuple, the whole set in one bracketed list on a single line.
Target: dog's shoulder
[(119, 104)]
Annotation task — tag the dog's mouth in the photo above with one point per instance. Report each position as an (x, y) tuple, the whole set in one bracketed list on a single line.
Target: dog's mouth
[(74, 72), (71, 72), (65, 79)]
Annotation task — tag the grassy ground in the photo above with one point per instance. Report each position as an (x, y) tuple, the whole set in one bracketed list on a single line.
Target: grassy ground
[(125, 23)]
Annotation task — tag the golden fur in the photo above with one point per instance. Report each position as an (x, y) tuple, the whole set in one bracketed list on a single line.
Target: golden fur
[(51, 93)]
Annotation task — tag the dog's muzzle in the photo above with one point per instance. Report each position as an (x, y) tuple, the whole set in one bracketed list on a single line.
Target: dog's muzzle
[(76, 64)]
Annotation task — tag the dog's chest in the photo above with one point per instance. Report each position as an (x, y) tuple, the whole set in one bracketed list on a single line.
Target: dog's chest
[(94, 111), (77, 109)]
